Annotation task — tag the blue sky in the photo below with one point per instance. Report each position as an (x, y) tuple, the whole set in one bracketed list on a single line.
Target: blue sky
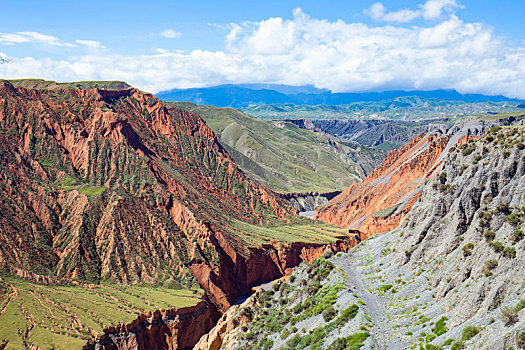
[(472, 46)]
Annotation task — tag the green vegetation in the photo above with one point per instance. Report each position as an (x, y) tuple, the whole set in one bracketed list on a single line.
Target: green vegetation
[(311, 232), (520, 305), (49, 84), (283, 156), (405, 108), (440, 327), (509, 315), (384, 213), (352, 342), (385, 288), (65, 316), (469, 332)]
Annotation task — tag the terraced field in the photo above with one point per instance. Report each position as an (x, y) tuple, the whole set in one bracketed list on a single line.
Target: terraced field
[(65, 316)]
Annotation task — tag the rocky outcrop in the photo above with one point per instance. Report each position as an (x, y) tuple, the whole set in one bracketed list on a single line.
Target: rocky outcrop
[(168, 329), (223, 335), (112, 184)]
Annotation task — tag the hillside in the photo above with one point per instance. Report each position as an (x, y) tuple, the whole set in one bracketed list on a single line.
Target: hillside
[(49, 84), (102, 188), (375, 133), (283, 156), (379, 203), (451, 276)]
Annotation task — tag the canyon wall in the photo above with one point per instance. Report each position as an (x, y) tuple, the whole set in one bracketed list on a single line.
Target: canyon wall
[(382, 200), (166, 329)]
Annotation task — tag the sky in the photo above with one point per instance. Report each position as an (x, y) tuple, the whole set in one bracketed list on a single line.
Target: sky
[(474, 46)]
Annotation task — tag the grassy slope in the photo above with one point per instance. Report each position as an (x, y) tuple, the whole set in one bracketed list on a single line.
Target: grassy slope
[(64, 317), (283, 156), (304, 230)]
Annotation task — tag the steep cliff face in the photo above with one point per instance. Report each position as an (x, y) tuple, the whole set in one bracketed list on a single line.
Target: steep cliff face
[(380, 202), (463, 245), (168, 329), (388, 134)]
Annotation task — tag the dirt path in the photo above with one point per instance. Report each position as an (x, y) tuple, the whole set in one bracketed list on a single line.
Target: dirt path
[(383, 331)]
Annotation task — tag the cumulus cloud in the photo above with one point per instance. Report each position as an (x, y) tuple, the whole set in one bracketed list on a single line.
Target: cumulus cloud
[(27, 37), (335, 55), (432, 9), (170, 34)]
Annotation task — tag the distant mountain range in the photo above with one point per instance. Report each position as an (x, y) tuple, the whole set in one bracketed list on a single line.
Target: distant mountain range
[(244, 95)]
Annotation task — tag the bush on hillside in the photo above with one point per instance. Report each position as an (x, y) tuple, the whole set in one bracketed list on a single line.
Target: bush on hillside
[(509, 316), (469, 332)]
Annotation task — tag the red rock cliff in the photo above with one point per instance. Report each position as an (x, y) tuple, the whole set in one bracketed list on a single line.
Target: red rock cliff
[(380, 202), (169, 329)]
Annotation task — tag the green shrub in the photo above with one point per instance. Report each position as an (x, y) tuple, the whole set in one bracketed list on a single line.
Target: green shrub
[(520, 305), (517, 236), (293, 341), (385, 288), (502, 207), (268, 344), (430, 337), (433, 347), (440, 327), (514, 219), (509, 315), (352, 342), (467, 249), (509, 252), (329, 313), (285, 334), (448, 342), (497, 246), (469, 332), (347, 314), (491, 264), (468, 150), (458, 346), (489, 235), (506, 154)]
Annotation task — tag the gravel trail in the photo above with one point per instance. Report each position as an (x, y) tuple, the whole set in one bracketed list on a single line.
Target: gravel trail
[(383, 332)]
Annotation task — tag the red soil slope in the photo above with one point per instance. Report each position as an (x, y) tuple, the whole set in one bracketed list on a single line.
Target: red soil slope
[(379, 203)]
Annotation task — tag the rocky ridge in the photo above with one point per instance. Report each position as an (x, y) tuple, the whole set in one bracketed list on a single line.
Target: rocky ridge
[(379, 203)]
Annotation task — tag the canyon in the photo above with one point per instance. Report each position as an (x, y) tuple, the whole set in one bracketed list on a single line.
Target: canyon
[(110, 186)]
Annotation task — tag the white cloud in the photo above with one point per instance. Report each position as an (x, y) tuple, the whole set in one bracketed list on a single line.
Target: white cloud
[(169, 34), (378, 12), (431, 9), (27, 37), (336, 55), (92, 44)]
